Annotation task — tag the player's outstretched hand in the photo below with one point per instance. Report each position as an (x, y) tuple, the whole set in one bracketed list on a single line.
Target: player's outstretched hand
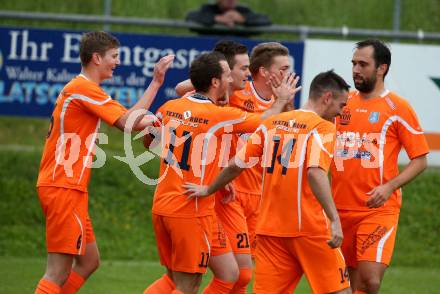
[(379, 195), (337, 236), (287, 88), (194, 190), (228, 194), (161, 67)]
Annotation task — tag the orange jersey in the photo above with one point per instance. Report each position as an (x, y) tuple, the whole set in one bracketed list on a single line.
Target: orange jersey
[(193, 138), (370, 135), (67, 154), (248, 99), (288, 144)]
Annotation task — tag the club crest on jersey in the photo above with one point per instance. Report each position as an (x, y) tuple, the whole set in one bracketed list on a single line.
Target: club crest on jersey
[(187, 114), (374, 117), (249, 105)]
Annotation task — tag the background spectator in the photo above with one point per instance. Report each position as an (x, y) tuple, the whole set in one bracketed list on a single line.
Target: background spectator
[(227, 13)]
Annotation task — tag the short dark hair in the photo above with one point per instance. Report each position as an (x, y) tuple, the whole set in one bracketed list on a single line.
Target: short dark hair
[(381, 55), (229, 49), (96, 42), (327, 81), (205, 68), (263, 54)]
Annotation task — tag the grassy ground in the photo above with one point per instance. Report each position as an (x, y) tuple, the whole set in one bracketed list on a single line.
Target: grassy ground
[(20, 275)]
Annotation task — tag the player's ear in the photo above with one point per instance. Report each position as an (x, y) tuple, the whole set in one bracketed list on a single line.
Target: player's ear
[(263, 72), (327, 97), (215, 82), (96, 58), (382, 69)]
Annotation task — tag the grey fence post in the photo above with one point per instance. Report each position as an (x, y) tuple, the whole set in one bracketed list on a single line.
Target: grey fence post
[(396, 17), (107, 13)]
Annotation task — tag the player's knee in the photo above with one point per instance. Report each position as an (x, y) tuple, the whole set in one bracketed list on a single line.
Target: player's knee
[(244, 277), (58, 276), (232, 275), (229, 273), (88, 266), (94, 264), (371, 284)]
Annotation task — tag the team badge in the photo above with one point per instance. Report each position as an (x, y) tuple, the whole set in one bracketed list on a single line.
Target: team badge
[(249, 105), (187, 114), (374, 117)]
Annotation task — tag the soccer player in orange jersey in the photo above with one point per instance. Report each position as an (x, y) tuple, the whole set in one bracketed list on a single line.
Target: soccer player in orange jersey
[(365, 177), (238, 218), (298, 229), (192, 130), (65, 165), (222, 260)]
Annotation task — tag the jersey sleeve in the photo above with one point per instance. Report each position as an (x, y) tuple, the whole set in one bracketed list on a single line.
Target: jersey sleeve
[(320, 146), (410, 133), (241, 121), (99, 103)]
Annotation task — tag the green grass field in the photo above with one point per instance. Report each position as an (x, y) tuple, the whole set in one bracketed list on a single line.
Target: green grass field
[(20, 275)]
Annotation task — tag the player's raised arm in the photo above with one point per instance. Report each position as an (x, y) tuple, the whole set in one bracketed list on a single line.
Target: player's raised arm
[(284, 91), (184, 87), (147, 98), (321, 189)]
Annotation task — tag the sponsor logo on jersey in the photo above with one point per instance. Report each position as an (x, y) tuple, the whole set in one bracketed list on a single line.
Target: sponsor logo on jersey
[(374, 117), (187, 114), (345, 117)]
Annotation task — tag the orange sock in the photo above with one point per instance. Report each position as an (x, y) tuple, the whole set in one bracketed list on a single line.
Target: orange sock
[(47, 287), (162, 285), (73, 283), (218, 287), (243, 280)]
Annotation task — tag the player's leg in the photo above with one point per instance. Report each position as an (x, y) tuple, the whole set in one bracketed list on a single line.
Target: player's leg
[(84, 265), (350, 222), (251, 208), (231, 216), (323, 266), (57, 270), (245, 266), (164, 284), (375, 244), (370, 276), (276, 269), (222, 262), (187, 283), (190, 259), (66, 213)]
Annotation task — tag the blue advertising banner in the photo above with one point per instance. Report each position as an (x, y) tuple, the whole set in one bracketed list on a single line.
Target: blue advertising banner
[(35, 64)]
